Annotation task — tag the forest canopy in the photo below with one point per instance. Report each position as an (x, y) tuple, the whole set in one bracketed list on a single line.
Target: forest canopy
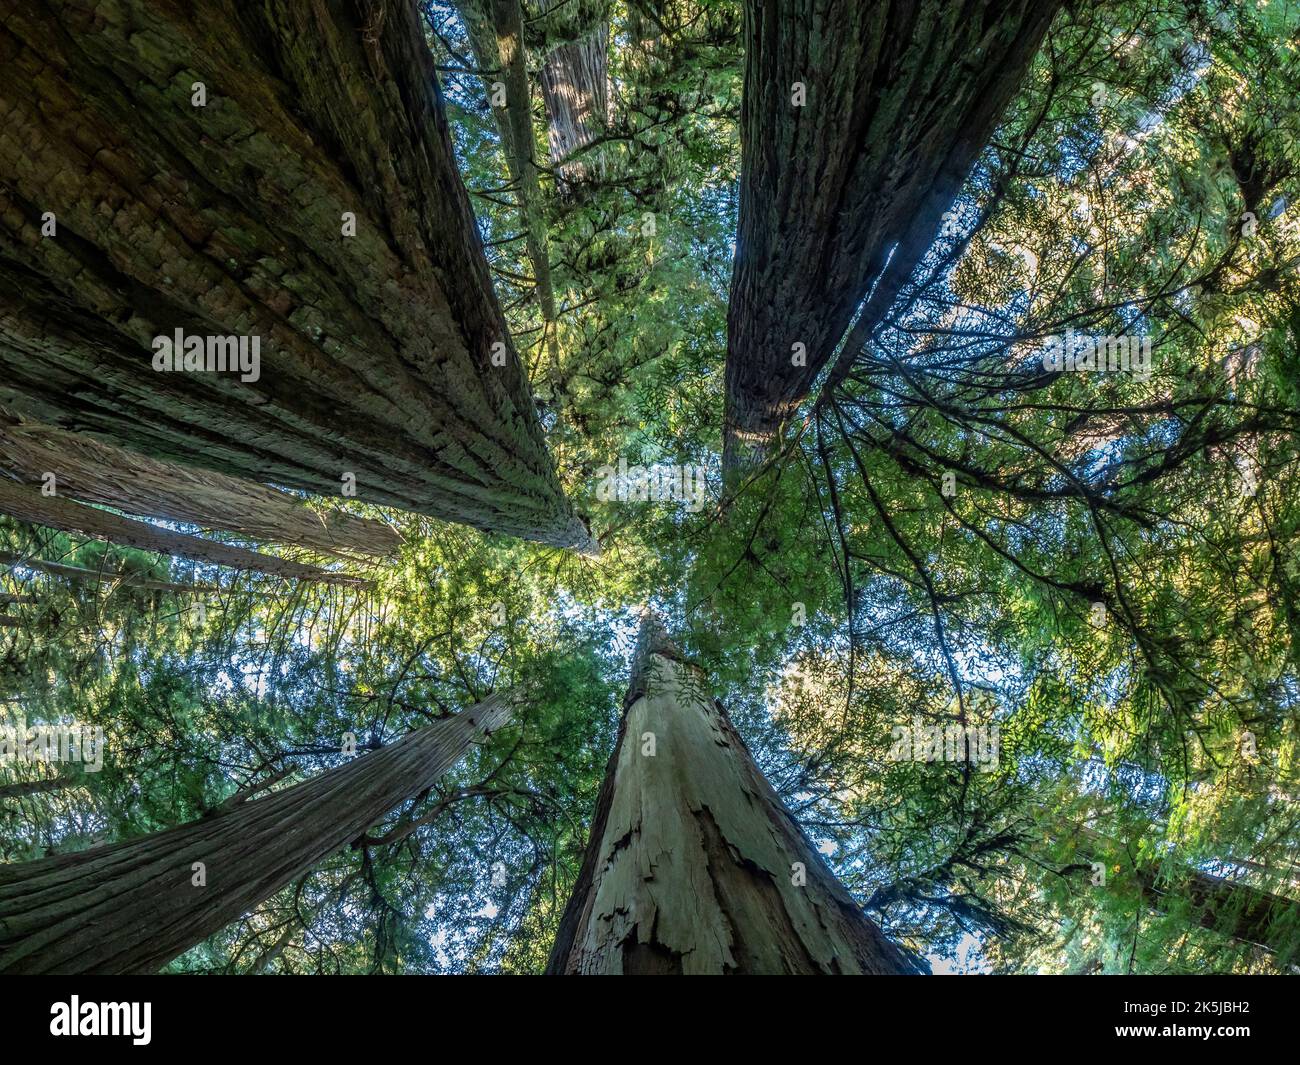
[(720, 486)]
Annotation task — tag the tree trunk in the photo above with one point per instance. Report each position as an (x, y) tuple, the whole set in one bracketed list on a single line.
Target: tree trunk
[(900, 99), (496, 35), (95, 472), (131, 907), (1229, 907), (81, 573), (575, 84), (27, 504), (384, 354), (694, 866), (24, 788)]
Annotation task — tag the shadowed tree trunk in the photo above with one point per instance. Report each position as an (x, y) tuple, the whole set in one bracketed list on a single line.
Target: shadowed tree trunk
[(27, 504), (496, 35), (694, 866), (98, 576), (24, 788), (899, 99), (1230, 907), (172, 166), (95, 472), (131, 907), (575, 82)]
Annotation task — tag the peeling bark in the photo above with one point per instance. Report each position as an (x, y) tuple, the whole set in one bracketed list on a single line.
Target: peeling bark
[(131, 907), (901, 97), (95, 472), (692, 862), (377, 349), (27, 504)]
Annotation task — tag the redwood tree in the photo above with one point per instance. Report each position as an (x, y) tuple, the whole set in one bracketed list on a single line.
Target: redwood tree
[(283, 172), (131, 907), (859, 123), (694, 866)]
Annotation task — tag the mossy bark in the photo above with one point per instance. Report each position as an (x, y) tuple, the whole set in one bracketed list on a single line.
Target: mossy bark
[(384, 355)]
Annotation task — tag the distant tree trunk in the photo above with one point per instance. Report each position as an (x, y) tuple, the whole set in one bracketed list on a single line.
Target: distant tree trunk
[(95, 472), (1230, 907), (575, 83), (694, 866), (899, 99), (24, 788), (384, 355), (98, 576), (496, 34), (132, 907), (27, 504)]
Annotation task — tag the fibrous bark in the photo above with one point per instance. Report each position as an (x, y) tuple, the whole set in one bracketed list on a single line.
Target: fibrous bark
[(694, 866), (131, 907), (848, 190), (28, 504), (95, 472), (575, 82), (383, 355)]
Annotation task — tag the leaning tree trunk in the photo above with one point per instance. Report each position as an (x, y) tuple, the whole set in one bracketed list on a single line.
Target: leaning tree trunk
[(899, 99), (575, 83), (1231, 907), (99, 576), (496, 36), (694, 866), (28, 504), (200, 167), (131, 907), (96, 472)]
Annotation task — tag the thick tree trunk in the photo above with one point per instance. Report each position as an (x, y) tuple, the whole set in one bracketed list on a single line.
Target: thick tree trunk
[(575, 83), (97, 576), (694, 866), (384, 355), (131, 907), (27, 504), (901, 96), (496, 34), (94, 472)]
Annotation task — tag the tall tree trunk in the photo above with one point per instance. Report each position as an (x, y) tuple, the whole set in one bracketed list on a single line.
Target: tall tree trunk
[(27, 504), (384, 355), (496, 34), (96, 472), (901, 96), (131, 907), (98, 576), (575, 82), (694, 866)]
